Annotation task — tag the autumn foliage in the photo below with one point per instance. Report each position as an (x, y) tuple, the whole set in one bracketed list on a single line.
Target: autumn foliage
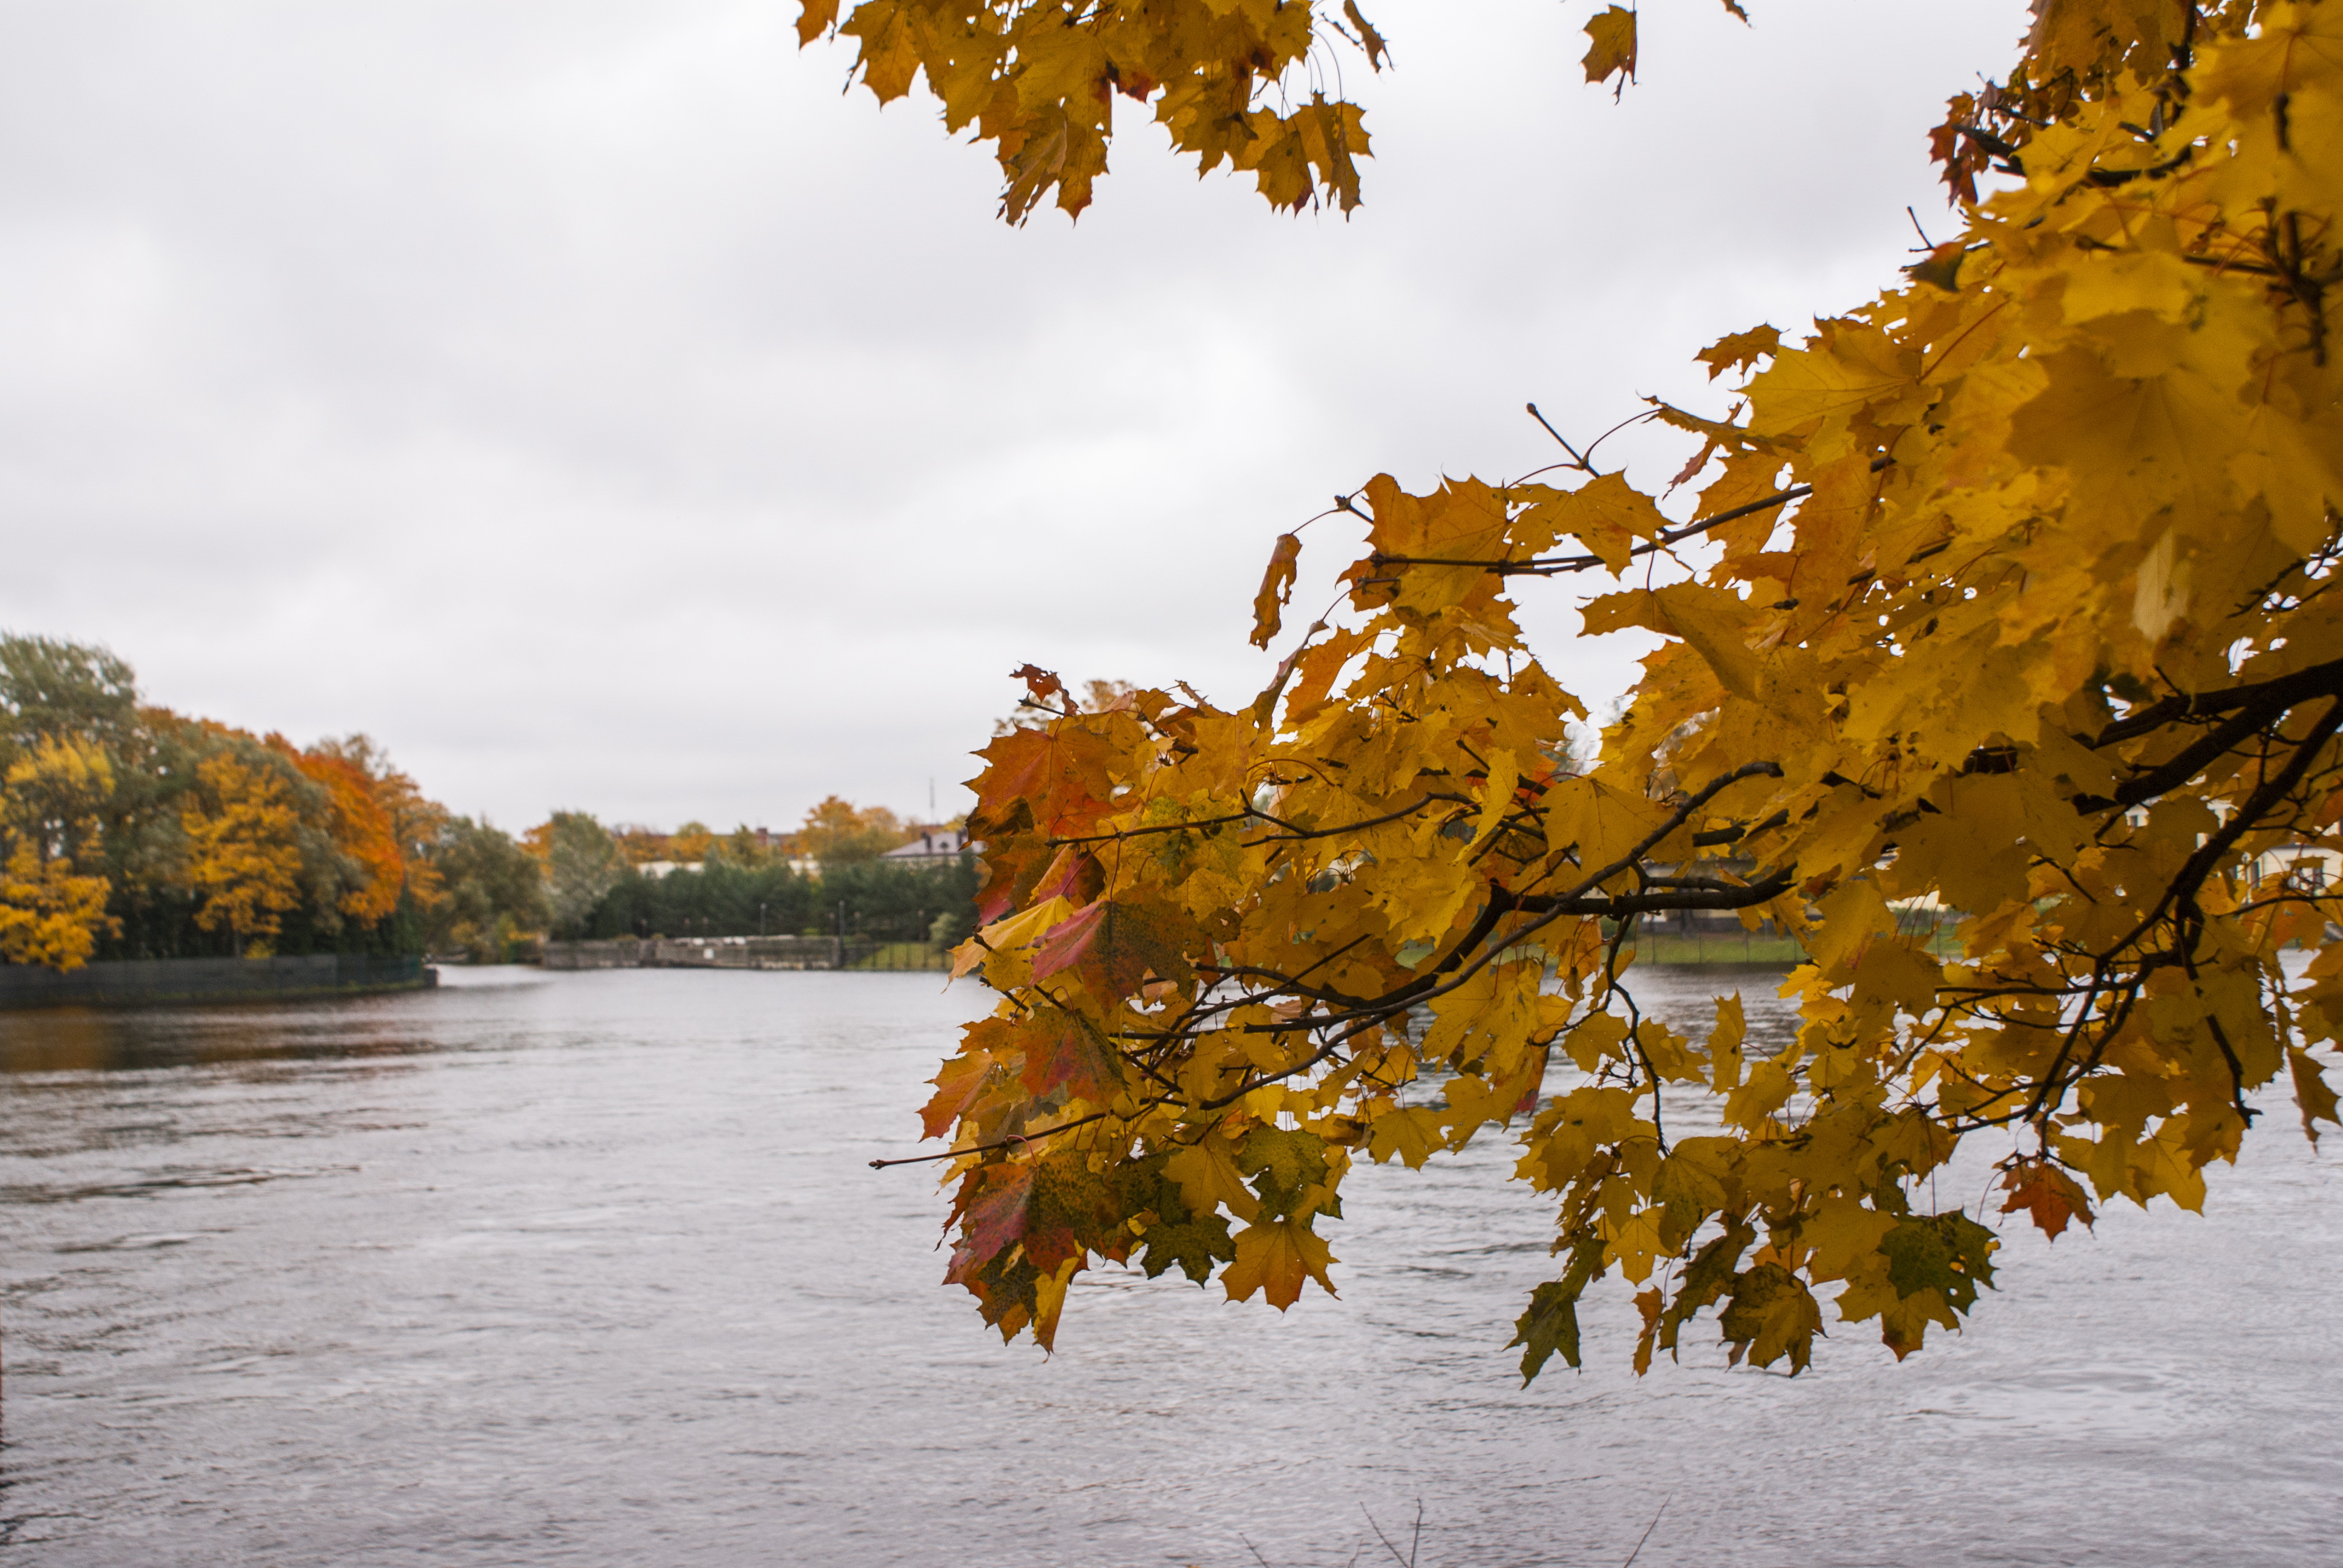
[(360, 820), (2004, 603), (50, 912), (129, 830), (1039, 80), (243, 855)]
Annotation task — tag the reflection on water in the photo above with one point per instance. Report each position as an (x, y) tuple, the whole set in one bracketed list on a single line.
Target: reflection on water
[(588, 1268)]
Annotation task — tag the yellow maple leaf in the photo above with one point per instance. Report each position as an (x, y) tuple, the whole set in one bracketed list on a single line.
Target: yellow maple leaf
[(1611, 46), (1274, 1257)]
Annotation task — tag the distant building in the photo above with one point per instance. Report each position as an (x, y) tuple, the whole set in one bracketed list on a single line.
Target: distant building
[(2303, 867), (933, 847)]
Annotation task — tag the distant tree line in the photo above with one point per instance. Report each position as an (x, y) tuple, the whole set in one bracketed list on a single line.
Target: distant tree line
[(129, 831), (604, 885)]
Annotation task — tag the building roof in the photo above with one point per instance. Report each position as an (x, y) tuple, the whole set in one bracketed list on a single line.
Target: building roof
[(932, 844)]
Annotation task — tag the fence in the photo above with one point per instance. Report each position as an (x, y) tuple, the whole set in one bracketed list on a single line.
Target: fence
[(147, 982)]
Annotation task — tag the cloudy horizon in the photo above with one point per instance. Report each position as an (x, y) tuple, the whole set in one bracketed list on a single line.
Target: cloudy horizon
[(601, 411)]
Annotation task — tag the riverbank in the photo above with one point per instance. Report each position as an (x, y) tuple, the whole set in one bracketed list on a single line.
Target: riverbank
[(158, 982), (1677, 949), (745, 953)]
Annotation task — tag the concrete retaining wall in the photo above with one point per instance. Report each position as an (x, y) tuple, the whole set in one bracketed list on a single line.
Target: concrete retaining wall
[(147, 982), (711, 953)]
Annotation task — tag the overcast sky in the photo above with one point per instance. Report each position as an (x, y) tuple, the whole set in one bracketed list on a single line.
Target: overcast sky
[(589, 402)]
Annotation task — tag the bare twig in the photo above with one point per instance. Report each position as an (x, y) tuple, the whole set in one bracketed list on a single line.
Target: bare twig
[(1576, 460), (1646, 1535), (1413, 1542)]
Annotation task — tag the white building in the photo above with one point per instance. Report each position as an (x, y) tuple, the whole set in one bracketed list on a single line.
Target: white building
[(933, 847)]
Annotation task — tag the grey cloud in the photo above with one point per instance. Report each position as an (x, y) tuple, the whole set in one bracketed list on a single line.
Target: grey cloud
[(594, 405)]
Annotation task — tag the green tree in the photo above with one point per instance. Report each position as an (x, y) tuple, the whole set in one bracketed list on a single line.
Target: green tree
[(582, 863), (722, 899), (51, 687), (491, 892), (899, 903)]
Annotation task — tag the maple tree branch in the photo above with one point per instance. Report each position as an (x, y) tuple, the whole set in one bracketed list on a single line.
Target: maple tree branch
[(1011, 1141), (1577, 459), (1299, 834), (2112, 178), (2212, 1022), (2306, 683), (1630, 420), (2182, 889), (1247, 1086), (1282, 985), (1696, 895), (2316, 681), (1610, 988), (1552, 907), (1716, 836), (1199, 1011), (1547, 567), (2191, 760), (2217, 262), (1247, 815), (2247, 817), (1293, 831), (2316, 571), (1664, 540)]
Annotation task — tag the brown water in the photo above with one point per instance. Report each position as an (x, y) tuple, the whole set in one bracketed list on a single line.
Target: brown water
[(589, 1269)]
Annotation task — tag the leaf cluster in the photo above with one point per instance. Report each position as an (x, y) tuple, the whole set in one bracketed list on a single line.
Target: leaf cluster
[(1239, 83), (2004, 603), (129, 830)]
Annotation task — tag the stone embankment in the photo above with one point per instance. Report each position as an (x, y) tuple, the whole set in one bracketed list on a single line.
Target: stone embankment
[(712, 953), (161, 983)]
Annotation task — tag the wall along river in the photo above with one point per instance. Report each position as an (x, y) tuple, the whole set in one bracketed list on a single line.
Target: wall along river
[(590, 1268)]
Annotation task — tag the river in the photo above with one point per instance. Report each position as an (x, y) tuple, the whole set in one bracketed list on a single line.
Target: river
[(590, 1268)]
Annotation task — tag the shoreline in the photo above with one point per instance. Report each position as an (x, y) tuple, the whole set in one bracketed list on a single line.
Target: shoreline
[(114, 983)]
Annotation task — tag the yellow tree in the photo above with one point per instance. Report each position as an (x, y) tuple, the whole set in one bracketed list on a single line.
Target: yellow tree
[(838, 833), (244, 855), (690, 842), (49, 913), (2006, 595)]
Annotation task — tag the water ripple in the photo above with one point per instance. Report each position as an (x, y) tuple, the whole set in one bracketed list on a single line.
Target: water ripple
[(588, 1270)]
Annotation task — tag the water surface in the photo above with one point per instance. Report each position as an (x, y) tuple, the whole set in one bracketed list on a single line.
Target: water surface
[(589, 1269)]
